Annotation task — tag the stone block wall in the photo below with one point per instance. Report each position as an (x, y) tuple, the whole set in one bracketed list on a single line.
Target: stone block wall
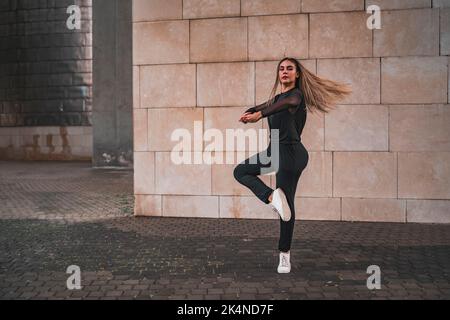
[(382, 155), (45, 77)]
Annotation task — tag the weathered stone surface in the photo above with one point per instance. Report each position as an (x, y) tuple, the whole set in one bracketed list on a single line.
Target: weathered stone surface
[(318, 209), (245, 207), (269, 7), (408, 33), (181, 179), (386, 210), (147, 205), (441, 3), (432, 169), (332, 5), (401, 4), (160, 42), (445, 31), (414, 80), (347, 32), (225, 84), (223, 122), (195, 9), (214, 40), (162, 123), (362, 74), (191, 206), (140, 129), (428, 211), (316, 179), (419, 128), (270, 37), (144, 173), (153, 10), (357, 128), (155, 93), (365, 174)]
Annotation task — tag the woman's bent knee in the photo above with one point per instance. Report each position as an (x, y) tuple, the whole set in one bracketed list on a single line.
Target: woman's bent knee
[(238, 172)]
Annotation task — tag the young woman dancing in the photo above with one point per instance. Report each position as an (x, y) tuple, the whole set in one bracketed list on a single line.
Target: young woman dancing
[(301, 91)]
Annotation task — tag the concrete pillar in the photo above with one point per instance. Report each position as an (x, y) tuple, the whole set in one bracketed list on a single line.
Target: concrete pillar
[(112, 83)]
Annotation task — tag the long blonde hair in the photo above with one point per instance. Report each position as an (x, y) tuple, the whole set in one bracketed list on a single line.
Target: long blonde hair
[(319, 93)]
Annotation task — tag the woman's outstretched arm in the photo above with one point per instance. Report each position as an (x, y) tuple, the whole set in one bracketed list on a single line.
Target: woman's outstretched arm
[(290, 101), (256, 108)]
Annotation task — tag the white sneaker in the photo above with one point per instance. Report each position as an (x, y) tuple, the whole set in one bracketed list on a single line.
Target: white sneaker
[(280, 205), (285, 263)]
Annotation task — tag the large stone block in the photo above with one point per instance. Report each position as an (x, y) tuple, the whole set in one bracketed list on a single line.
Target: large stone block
[(419, 128), (140, 130), (148, 205), (310, 64), (191, 206), (424, 175), (269, 7), (144, 172), (160, 42), (194, 9), (213, 40), (271, 37), (386, 210), (225, 84), (181, 179), (163, 122), (428, 211), (316, 179), (414, 80), (152, 10), (365, 174), (332, 5), (265, 76), (155, 91), (313, 135), (363, 75), (357, 128), (339, 35), (226, 118), (399, 4), (318, 209), (408, 33), (441, 3), (445, 31), (245, 207)]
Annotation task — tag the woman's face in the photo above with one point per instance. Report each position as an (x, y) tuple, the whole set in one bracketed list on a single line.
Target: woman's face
[(287, 73)]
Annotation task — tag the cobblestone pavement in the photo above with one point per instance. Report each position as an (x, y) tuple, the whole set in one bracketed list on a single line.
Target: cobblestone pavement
[(68, 191), (126, 257)]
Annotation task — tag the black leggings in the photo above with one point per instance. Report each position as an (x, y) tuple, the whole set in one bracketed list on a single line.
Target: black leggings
[(293, 159)]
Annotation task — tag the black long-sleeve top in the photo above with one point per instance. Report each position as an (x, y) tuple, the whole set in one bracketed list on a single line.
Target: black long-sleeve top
[(287, 113)]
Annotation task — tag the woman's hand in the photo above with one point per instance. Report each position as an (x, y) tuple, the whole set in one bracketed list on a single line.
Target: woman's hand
[(251, 117), (242, 118)]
